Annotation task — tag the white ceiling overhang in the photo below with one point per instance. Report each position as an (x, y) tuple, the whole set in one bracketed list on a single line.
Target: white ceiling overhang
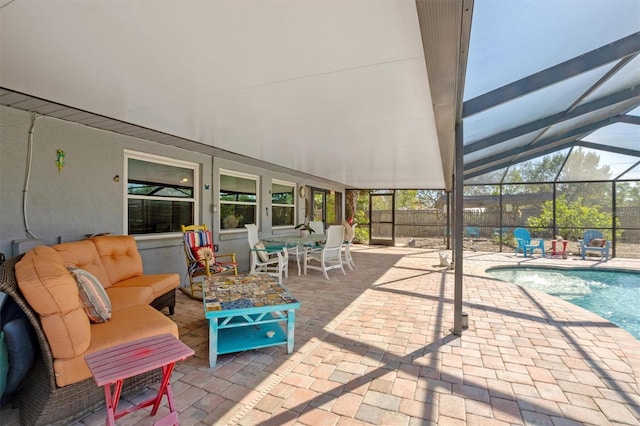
[(336, 89)]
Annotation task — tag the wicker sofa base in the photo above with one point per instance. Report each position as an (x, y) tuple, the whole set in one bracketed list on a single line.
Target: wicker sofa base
[(167, 300), (40, 404), (40, 400)]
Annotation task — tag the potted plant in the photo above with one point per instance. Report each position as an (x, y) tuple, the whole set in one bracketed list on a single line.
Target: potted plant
[(304, 228)]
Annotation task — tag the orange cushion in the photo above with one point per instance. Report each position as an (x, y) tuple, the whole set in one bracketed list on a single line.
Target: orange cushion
[(119, 255), (53, 294), (128, 324), (83, 254), (125, 297), (159, 283)]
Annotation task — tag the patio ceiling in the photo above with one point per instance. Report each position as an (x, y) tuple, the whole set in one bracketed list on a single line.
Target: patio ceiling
[(335, 89), (362, 93)]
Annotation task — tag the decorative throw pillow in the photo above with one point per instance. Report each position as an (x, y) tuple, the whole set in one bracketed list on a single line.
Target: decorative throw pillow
[(94, 298), (18, 336), (597, 242), (262, 252), (4, 364), (18, 347), (204, 255)]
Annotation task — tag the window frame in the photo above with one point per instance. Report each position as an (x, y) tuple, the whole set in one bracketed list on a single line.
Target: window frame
[(167, 161), (325, 194), (248, 176), (294, 206)]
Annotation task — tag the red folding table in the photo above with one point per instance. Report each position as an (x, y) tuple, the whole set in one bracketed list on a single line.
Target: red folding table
[(113, 365), (559, 248)]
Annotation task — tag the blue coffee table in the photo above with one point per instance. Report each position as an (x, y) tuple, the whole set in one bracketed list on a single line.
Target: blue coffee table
[(247, 312)]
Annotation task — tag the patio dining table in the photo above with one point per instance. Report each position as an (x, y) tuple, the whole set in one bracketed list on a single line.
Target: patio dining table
[(300, 242), (296, 240)]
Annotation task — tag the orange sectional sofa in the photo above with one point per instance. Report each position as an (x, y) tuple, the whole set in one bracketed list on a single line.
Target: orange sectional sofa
[(48, 293)]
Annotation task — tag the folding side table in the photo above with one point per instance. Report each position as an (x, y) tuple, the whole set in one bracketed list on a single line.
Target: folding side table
[(559, 248), (113, 365)]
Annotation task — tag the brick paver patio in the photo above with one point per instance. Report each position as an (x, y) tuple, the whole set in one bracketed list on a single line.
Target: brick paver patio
[(374, 347)]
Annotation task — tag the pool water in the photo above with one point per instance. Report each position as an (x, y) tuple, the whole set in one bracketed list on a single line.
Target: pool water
[(614, 295)]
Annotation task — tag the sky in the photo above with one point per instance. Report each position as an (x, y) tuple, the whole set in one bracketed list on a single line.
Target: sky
[(511, 40)]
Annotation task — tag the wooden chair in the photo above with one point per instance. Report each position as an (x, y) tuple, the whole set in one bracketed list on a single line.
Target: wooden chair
[(593, 240), (202, 260), (526, 243)]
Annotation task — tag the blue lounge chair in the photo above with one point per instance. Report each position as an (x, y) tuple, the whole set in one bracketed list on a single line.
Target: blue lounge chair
[(593, 240), (525, 243)]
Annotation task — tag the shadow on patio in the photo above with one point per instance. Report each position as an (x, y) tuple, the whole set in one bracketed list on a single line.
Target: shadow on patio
[(373, 347)]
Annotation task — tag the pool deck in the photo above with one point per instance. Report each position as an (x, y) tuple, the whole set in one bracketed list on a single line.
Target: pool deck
[(374, 347)]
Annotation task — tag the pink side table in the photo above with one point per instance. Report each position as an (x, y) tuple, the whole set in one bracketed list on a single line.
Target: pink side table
[(112, 365), (556, 251)]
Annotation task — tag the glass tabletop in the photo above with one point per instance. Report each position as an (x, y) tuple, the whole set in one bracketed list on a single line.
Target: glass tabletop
[(310, 239)]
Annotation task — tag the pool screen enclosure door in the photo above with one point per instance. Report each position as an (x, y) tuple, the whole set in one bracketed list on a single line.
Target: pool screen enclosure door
[(381, 219)]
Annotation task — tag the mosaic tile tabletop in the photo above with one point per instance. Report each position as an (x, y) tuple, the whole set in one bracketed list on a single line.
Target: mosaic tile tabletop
[(227, 292)]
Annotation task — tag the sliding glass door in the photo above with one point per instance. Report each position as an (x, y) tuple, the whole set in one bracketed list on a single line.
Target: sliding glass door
[(326, 206)]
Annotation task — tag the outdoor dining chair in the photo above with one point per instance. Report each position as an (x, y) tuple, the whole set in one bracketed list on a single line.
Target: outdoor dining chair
[(329, 255), (272, 260), (349, 233), (317, 226)]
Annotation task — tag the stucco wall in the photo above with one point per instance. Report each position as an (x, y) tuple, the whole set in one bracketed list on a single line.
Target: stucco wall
[(84, 198)]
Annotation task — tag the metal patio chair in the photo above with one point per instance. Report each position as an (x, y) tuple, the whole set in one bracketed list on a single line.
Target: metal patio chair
[(329, 255), (271, 259)]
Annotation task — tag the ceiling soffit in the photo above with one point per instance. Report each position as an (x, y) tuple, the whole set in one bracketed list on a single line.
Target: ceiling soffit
[(261, 79), (445, 27)]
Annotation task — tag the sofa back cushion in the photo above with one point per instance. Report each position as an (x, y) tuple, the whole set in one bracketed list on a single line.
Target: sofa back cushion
[(53, 294), (119, 255), (84, 255)]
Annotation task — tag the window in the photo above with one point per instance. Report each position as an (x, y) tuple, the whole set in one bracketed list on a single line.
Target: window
[(334, 208), (283, 203), (238, 199), (326, 206), (161, 194)]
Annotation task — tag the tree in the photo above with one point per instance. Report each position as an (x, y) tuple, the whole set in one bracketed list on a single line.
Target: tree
[(430, 198), (571, 218), (544, 169), (407, 199), (470, 190), (628, 194)]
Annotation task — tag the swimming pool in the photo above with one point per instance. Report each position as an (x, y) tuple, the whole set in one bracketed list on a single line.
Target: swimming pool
[(614, 295)]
